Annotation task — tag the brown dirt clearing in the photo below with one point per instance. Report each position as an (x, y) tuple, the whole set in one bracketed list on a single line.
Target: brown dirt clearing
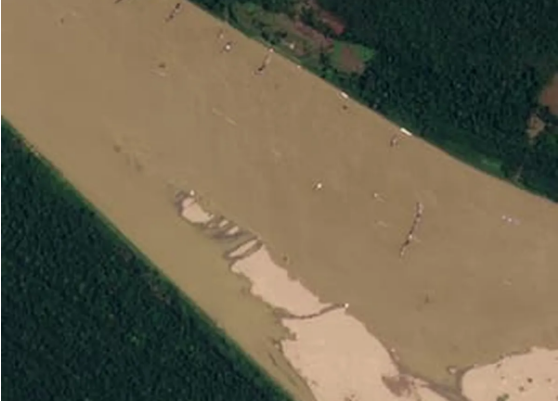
[(350, 61), (549, 95)]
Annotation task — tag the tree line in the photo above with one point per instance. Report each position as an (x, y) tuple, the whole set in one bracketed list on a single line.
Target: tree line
[(463, 74), (87, 318)]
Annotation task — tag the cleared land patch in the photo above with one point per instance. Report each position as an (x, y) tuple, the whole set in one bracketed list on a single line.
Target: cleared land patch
[(350, 57)]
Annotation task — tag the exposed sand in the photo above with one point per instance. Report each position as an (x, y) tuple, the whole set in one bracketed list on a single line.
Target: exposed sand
[(274, 285), (470, 288), (341, 360), (525, 377), (193, 212), (243, 249), (232, 231)]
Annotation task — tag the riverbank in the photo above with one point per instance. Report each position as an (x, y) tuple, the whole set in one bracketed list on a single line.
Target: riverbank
[(86, 313)]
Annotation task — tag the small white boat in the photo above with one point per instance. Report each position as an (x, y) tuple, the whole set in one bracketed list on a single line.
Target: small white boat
[(405, 132)]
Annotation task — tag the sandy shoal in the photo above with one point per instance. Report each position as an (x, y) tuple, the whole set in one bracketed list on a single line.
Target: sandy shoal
[(341, 360)]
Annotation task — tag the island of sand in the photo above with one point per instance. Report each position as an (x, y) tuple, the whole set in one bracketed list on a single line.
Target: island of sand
[(324, 336)]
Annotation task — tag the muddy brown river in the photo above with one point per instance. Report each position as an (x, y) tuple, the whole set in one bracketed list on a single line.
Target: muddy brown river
[(133, 109)]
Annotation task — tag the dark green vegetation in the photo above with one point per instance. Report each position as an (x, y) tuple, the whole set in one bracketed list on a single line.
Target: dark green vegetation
[(464, 75), (85, 318)]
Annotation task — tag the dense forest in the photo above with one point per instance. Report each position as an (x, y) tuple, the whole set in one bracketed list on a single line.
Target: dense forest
[(464, 75), (85, 318), (223, 6)]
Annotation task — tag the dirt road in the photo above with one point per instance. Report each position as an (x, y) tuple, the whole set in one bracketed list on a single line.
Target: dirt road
[(132, 108)]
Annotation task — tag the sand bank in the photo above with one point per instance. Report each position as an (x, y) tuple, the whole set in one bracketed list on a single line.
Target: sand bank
[(193, 212), (274, 286), (524, 377), (341, 360)]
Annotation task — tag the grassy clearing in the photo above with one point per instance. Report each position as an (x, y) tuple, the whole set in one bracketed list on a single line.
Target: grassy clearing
[(363, 52), (85, 315), (350, 57)]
